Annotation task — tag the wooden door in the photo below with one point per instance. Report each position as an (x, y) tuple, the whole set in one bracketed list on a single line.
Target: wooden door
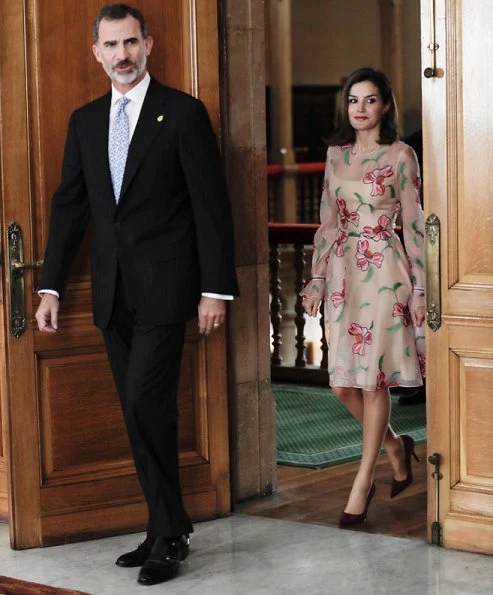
[(458, 151), (65, 462)]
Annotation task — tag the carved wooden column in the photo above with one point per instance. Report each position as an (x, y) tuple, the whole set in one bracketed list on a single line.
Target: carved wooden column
[(392, 36), (279, 59)]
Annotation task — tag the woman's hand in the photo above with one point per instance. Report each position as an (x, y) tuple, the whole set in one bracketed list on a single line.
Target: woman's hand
[(418, 315), (311, 305), (417, 309)]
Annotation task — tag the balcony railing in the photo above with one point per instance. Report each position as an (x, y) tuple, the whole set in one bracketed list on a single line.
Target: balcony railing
[(302, 357), (309, 179)]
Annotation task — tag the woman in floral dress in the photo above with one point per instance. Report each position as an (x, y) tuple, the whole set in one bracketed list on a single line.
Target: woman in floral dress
[(373, 288)]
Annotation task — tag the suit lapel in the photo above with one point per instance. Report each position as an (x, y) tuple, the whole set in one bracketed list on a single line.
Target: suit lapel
[(150, 123), (99, 133)]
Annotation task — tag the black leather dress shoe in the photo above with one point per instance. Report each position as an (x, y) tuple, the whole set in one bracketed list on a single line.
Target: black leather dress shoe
[(137, 557), (164, 560)]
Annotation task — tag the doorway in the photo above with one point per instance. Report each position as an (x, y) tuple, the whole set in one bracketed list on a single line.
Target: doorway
[(324, 49)]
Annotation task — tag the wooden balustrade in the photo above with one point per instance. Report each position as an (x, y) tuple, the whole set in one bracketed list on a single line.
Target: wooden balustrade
[(309, 179), (293, 240)]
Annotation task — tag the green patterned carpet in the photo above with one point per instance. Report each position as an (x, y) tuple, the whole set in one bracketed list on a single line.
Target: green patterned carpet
[(315, 430)]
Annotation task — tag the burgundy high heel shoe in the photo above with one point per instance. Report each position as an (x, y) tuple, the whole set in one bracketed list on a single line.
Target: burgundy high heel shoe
[(399, 486), (347, 519)]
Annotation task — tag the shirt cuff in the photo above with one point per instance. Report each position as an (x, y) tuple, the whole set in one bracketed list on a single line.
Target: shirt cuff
[(50, 291), (218, 296)]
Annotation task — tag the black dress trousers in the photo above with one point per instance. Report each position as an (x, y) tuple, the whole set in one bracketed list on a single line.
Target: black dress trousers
[(145, 361)]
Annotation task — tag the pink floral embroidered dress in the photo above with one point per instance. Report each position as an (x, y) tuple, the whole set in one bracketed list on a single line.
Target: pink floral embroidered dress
[(363, 273)]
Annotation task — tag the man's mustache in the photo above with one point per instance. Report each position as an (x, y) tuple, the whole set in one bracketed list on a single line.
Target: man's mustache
[(124, 63)]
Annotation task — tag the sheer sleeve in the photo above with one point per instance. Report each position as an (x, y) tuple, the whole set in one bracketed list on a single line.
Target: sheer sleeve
[(323, 240), (409, 184)]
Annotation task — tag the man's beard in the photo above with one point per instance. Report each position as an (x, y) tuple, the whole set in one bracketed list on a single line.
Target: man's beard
[(127, 78)]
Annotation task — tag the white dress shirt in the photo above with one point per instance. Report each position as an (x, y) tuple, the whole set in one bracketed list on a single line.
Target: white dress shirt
[(136, 95)]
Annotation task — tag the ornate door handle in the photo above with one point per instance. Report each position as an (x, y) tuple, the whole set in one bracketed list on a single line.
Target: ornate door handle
[(16, 271), (19, 266), (433, 297)]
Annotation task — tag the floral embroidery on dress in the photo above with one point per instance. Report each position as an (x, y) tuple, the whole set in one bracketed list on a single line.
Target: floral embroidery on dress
[(365, 256), (338, 297), (340, 239), (362, 337), (345, 215), (383, 383), (377, 178), (402, 311), (381, 232)]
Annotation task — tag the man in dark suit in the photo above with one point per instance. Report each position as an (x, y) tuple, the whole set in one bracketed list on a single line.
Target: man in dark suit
[(142, 164)]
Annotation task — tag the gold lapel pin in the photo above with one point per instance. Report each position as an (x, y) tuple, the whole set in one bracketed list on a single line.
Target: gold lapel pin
[(160, 118)]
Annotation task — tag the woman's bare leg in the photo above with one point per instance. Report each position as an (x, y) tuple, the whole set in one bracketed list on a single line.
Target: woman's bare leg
[(376, 415), (352, 399)]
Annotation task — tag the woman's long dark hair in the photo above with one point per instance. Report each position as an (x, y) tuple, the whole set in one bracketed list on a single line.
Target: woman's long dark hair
[(344, 133)]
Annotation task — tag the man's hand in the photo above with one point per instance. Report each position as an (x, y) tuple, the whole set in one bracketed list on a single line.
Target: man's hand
[(47, 313), (311, 305), (212, 312)]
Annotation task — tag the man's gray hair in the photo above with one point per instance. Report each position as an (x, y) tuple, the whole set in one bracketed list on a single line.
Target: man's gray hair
[(117, 12)]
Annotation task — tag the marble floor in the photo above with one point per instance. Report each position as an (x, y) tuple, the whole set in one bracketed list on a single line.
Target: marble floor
[(247, 555)]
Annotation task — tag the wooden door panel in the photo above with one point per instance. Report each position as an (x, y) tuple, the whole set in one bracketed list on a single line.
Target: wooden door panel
[(476, 414), (192, 401), (458, 132), (71, 475), (80, 416)]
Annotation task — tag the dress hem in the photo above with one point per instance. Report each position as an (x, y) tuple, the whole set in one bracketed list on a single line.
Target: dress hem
[(375, 388)]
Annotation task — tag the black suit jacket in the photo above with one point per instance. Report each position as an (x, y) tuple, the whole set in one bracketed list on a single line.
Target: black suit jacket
[(171, 233)]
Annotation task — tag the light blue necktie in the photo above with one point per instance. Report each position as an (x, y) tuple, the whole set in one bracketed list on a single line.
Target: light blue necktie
[(118, 146)]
